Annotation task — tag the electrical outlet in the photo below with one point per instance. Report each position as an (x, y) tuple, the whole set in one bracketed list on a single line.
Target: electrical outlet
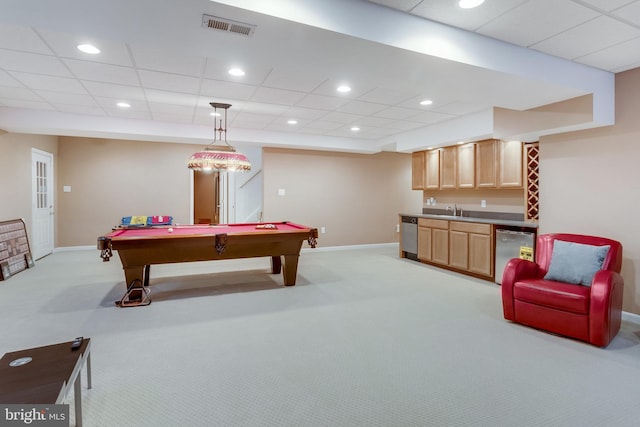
[(483, 203), (322, 230)]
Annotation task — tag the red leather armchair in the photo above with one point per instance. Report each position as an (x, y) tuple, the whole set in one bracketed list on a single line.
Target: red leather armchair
[(591, 314)]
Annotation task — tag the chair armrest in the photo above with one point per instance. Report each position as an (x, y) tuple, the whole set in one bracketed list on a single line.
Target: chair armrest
[(605, 309), (515, 270), (519, 269)]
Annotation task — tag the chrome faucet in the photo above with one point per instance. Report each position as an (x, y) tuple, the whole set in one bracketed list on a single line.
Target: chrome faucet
[(455, 211)]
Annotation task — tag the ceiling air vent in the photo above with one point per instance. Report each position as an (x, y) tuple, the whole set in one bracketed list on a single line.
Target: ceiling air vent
[(228, 25)]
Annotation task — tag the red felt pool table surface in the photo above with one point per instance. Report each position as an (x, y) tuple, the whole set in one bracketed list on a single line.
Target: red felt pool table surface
[(138, 248), (201, 230)]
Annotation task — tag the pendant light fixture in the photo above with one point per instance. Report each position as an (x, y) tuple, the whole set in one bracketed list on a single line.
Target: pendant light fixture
[(221, 157)]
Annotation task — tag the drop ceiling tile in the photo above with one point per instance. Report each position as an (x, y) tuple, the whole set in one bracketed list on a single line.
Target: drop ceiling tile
[(217, 89), (111, 90), (164, 97), (606, 5), (169, 82), (531, 22), (589, 37), (323, 125), (34, 105), (173, 118), (297, 80), (28, 62), (247, 124), (109, 104), (430, 117), (404, 5), (397, 113), (386, 96), (361, 108), (342, 117), (329, 88), (15, 37), (621, 57), (282, 126), (277, 96), (168, 61), (321, 102), (19, 94), (346, 132), (405, 125), (262, 108), (218, 69), (448, 12), (128, 114), (160, 108), (66, 45), (459, 108), (629, 13), (93, 110), (97, 72), (7, 80), (59, 84), (66, 98), (263, 119), (304, 113), (376, 122)]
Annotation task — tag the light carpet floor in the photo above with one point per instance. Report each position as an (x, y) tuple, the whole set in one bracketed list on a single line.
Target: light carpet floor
[(364, 339)]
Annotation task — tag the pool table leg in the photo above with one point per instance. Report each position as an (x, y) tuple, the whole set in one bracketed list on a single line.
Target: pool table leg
[(137, 275), (290, 269), (276, 264)]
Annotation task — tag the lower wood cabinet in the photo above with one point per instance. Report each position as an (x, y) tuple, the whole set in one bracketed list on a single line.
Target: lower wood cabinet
[(460, 245), (433, 240)]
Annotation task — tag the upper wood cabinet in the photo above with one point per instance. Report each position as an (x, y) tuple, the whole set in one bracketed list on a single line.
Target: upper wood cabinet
[(487, 164), (417, 170), (448, 167), (432, 173), (466, 166), (510, 173)]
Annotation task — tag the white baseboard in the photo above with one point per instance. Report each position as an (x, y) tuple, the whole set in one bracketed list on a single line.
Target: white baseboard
[(348, 247), (74, 248), (631, 317)]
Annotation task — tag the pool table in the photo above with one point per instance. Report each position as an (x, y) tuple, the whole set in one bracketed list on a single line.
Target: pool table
[(140, 247)]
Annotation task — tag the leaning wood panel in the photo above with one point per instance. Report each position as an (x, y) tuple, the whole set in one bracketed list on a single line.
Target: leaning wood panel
[(15, 254)]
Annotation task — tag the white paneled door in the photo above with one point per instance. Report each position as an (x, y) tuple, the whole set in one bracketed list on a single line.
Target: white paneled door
[(42, 203)]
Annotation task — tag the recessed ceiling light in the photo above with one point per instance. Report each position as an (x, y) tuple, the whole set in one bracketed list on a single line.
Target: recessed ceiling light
[(236, 72), (343, 89), (355, 129), (88, 48), (215, 114), (123, 104), (292, 122), (426, 102), (470, 4)]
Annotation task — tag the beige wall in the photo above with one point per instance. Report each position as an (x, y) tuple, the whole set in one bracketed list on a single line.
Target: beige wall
[(590, 182), (497, 200), (356, 197), (15, 173), (110, 179)]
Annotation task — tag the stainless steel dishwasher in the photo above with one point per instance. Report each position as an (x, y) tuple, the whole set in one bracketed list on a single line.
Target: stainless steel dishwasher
[(510, 244), (409, 236)]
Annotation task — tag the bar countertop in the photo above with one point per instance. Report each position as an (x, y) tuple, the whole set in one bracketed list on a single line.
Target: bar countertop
[(495, 221)]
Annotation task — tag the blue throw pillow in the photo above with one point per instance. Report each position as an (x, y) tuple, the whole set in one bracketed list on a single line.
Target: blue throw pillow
[(575, 262)]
